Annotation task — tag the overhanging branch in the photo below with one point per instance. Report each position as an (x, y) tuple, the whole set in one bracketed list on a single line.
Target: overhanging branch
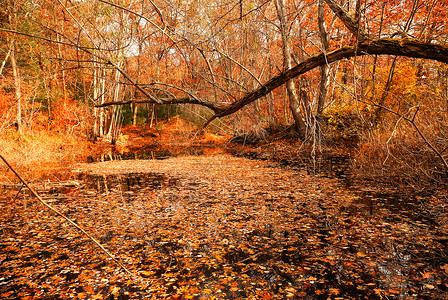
[(385, 46), (217, 108)]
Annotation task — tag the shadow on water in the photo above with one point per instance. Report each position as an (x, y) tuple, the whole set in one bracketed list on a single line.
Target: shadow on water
[(330, 166), (371, 200)]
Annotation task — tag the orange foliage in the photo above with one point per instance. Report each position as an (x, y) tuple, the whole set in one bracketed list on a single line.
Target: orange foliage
[(6, 101), (67, 116)]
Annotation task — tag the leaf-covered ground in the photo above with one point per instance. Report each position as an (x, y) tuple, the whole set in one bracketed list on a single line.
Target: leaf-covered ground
[(220, 227)]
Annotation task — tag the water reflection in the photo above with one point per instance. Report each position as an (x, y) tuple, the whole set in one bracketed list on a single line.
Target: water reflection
[(347, 254), (128, 182), (152, 152), (396, 204)]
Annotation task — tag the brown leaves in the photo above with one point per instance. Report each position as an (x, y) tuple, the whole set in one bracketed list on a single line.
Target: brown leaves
[(211, 227)]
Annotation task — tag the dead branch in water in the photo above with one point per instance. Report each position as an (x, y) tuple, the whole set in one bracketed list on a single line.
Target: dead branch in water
[(56, 211)]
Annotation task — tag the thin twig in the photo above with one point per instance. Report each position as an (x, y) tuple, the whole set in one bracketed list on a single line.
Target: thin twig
[(417, 129), (249, 258), (66, 218)]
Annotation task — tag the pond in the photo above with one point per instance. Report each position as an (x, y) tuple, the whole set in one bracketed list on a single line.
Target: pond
[(203, 227)]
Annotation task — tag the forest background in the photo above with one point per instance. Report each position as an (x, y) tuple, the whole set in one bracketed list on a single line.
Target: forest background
[(369, 74)]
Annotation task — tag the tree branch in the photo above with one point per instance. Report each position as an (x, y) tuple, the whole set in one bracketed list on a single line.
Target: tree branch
[(348, 21), (217, 108), (385, 46), (57, 212)]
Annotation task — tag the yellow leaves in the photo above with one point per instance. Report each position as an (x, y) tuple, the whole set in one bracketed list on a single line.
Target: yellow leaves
[(334, 291), (349, 264), (5, 295), (114, 290), (445, 268), (319, 292), (328, 259), (147, 273), (371, 263), (394, 291), (194, 245), (264, 295), (311, 279), (426, 275), (361, 254)]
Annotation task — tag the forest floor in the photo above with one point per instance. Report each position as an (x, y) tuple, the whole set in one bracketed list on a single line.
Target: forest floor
[(199, 223)]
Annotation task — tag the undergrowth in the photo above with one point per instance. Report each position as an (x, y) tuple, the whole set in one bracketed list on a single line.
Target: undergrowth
[(393, 154), (39, 153), (397, 155)]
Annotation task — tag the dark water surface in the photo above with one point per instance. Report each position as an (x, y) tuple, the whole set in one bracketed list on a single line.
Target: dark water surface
[(284, 240)]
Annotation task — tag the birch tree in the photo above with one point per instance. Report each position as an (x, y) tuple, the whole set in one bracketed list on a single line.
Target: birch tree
[(294, 105)]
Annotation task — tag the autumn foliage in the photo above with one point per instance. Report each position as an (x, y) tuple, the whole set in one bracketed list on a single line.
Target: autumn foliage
[(351, 204)]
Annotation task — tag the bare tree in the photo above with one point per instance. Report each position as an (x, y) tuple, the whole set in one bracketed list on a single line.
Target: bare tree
[(294, 105), (204, 66), (12, 19), (324, 69)]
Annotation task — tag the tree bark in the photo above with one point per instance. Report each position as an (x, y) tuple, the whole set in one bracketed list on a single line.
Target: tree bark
[(4, 61), (294, 105), (349, 22), (12, 18), (17, 87), (114, 114), (139, 67), (324, 69)]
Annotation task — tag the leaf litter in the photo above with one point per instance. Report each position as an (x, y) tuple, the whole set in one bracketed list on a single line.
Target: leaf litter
[(219, 227)]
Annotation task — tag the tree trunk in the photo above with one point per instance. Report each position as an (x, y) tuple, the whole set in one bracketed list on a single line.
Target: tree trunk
[(98, 93), (64, 88), (4, 61), (323, 88), (139, 66), (378, 111), (134, 113), (102, 87), (294, 105), (18, 91), (96, 131), (324, 69), (12, 18), (114, 115)]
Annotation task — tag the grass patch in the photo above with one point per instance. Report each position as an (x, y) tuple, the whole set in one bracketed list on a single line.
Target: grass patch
[(40, 153)]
